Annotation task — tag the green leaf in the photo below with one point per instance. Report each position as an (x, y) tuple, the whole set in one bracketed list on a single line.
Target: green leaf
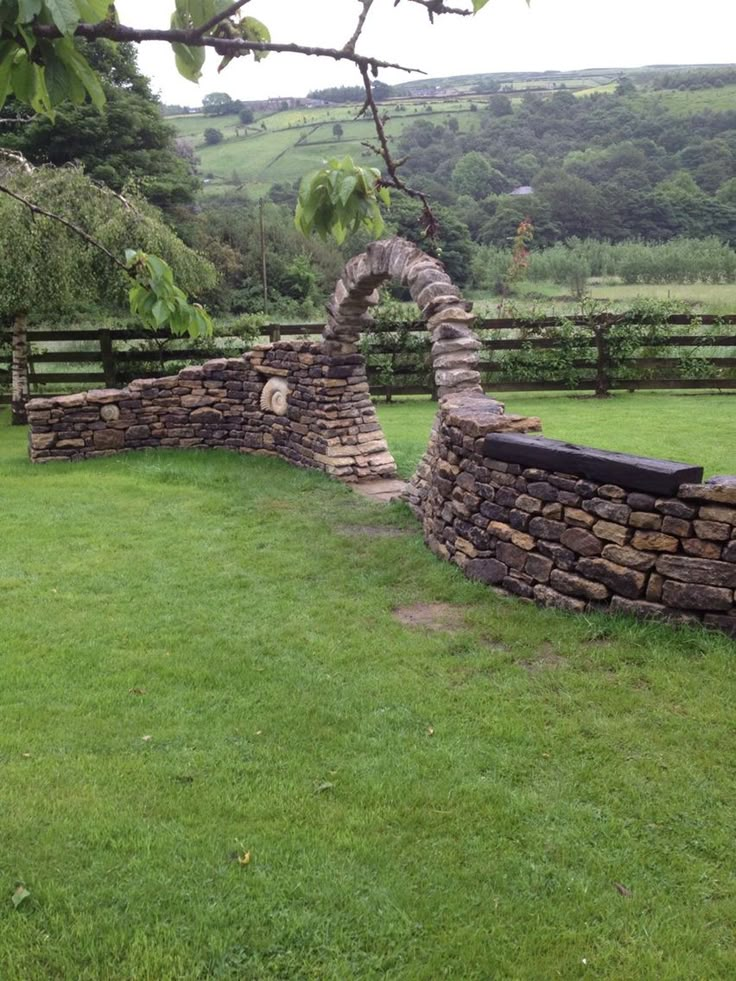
[(480, 4), (83, 71), (92, 11), (27, 10), (20, 895), (254, 30), (6, 64), (64, 14)]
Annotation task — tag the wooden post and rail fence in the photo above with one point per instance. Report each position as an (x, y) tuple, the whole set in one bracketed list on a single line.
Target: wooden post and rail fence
[(553, 354)]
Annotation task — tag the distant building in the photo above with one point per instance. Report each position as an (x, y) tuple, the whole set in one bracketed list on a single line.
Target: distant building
[(524, 189)]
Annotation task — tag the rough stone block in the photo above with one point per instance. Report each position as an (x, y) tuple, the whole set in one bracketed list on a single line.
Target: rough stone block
[(611, 532), (109, 439), (654, 541), (630, 557), (715, 531), (619, 578), (486, 570), (581, 541), (550, 597), (692, 570), (693, 596), (572, 585)]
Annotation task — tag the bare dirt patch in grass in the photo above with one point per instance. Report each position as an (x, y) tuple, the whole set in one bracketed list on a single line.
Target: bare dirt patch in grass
[(431, 616), (545, 659)]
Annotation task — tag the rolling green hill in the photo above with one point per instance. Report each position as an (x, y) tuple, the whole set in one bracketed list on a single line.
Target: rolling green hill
[(280, 147)]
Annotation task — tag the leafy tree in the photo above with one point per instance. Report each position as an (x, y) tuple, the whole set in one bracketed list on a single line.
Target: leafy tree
[(246, 116), (48, 270), (217, 104), (125, 140), (213, 136), (337, 131)]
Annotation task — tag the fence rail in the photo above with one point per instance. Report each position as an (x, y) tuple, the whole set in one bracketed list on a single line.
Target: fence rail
[(105, 358)]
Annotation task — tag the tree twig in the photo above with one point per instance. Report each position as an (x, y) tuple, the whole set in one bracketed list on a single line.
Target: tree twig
[(428, 220), (366, 5), (219, 18)]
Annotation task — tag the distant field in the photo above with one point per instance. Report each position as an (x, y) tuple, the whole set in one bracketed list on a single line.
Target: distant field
[(697, 100), (551, 299)]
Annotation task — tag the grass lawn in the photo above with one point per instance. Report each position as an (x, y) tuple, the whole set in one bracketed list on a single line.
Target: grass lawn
[(200, 660)]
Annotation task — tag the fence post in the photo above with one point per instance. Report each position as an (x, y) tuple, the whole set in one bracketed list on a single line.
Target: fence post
[(19, 372), (108, 359), (602, 362), (275, 333)]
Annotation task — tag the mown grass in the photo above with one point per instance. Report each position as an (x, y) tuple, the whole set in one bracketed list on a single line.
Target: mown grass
[(199, 660)]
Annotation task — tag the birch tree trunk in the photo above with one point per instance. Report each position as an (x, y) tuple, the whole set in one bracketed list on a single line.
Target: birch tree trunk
[(20, 392)]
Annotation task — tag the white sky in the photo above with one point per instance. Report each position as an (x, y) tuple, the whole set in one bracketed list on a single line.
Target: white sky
[(505, 36)]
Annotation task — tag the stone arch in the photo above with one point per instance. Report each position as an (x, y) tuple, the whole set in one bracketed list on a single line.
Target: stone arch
[(449, 320)]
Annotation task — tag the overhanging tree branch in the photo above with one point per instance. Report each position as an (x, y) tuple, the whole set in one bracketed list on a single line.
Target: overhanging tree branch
[(224, 46)]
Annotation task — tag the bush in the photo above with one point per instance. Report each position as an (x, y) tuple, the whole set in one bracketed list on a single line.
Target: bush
[(213, 136)]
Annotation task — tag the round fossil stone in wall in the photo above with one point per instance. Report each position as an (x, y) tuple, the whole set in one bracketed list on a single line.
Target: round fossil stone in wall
[(110, 413), (274, 396)]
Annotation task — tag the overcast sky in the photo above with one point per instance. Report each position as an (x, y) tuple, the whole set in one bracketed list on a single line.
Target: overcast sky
[(505, 36)]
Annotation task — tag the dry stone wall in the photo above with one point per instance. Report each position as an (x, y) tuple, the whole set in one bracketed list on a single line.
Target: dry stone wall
[(563, 539), (287, 399)]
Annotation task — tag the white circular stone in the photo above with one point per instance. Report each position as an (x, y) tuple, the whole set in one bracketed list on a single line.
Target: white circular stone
[(274, 397), (110, 413)]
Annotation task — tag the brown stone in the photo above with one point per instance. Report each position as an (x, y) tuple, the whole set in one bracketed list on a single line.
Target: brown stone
[(712, 512), (108, 439), (573, 585), (714, 531), (611, 532), (654, 541), (686, 569), (545, 528), (521, 540), (136, 433), (676, 526), (612, 491), (562, 557), (42, 441), (532, 505), (578, 518), (654, 588), (693, 596), (500, 530), (719, 490), (513, 557), (206, 415), (581, 541), (644, 520), (630, 557), (70, 444), (639, 608), (608, 510), (678, 509), (619, 578), (550, 597), (703, 550), (538, 567), (486, 570), (729, 552)]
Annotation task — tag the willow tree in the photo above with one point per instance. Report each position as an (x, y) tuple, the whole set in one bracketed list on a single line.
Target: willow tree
[(63, 242)]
